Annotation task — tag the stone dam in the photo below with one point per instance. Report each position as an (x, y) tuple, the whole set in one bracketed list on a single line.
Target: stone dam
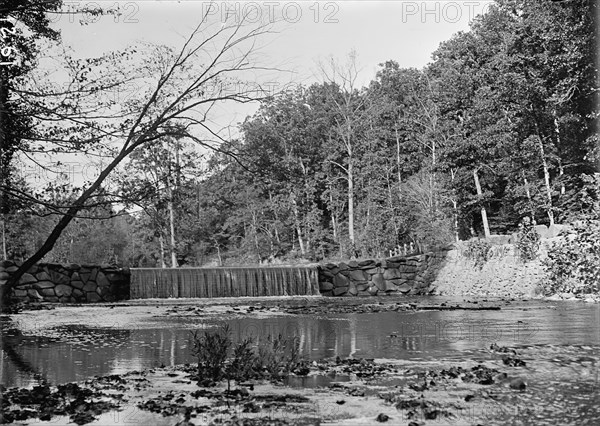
[(49, 282)]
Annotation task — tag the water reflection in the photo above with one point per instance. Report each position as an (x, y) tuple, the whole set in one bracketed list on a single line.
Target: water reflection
[(81, 352)]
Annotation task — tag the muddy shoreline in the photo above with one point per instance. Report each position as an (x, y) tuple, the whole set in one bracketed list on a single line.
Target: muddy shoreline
[(520, 384), (370, 392)]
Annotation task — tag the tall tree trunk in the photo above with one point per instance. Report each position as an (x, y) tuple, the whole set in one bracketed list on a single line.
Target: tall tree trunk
[(392, 210), (4, 254), (484, 219), (172, 231), (455, 214), (546, 181), (528, 192), (351, 202), (218, 251), (398, 163), (255, 232), (298, 227), (161, 241), (454, 206), (561, 171)]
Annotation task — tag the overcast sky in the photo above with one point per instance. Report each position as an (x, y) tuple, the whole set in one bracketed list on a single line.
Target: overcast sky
[(404, 31)]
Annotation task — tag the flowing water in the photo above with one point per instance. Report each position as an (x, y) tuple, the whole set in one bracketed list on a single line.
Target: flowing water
[(560, 342), (224, 282)]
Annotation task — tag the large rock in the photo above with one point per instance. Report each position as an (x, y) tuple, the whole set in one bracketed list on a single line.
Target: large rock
[(353, 264), (390, 274), (352, 290), (389, 286), (343, 266), (101, 280), (27, 279), (93, 297), (78, 295), (372, 271), (4, 275), (84, 276), (43, 276), (340, 281), (20, 293), (363, 286), (404, 288), (325, 286), (373, 290), (58, 278), (34, 295), (90, 286), (47, 292), (340, 291), (331, 268), (77, 284), (367, 264), (325, 273), (379, 281), (44, 284), (356, 275), (63, 290)]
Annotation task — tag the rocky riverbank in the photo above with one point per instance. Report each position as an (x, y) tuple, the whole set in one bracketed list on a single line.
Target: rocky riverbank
[(352, 391)]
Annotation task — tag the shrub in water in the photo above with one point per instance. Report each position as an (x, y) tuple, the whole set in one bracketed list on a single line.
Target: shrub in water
[(212, 350), (277, 356), (219, 358), (573, 263)]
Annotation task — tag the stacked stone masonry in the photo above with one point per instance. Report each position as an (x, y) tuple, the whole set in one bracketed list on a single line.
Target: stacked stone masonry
[(49, 282), (396, 275)]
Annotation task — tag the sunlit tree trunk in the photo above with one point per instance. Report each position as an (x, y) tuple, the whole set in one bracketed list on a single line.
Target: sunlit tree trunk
[(546, 181), (172, 229), (4, 254), (454, 206), (161, 241), (561, 170), (528, 192), (484, 219), (298, 227)]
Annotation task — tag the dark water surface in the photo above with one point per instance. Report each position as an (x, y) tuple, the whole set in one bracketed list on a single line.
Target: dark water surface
[(560, 341)]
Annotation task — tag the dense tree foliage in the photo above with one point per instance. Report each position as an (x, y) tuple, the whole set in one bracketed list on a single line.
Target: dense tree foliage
[(502, 124)]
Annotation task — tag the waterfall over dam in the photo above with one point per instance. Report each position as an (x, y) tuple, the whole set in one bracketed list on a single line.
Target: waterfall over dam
[(149, 283)]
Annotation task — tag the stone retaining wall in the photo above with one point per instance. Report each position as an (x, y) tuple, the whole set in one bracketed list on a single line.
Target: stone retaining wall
[(502, 275), (50, 282), (405, 275)]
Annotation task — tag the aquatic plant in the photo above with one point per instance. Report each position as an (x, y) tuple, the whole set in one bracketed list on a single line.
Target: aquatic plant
[(219, 358)]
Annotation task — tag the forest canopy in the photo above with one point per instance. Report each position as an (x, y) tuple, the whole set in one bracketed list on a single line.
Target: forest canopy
[(501, 124)]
